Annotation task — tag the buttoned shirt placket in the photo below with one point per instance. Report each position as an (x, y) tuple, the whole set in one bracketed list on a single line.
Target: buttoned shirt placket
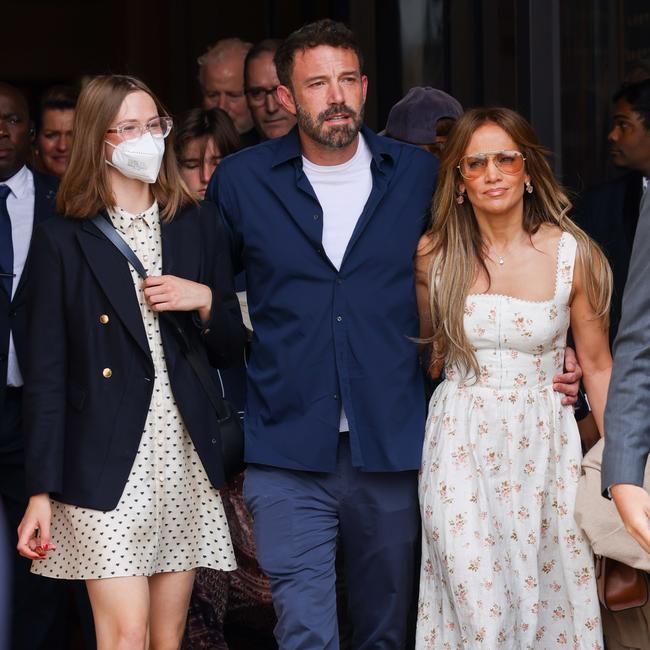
[(142, 233)]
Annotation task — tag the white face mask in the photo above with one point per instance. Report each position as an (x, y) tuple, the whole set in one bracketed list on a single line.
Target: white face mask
[(139, 158)]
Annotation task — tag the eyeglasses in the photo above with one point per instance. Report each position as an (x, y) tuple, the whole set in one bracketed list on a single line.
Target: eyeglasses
[(159, 127), (258, 95), (475, 164)]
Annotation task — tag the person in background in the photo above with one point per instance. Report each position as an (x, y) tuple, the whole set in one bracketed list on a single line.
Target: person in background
[(203, 138), (54, 129), (270, 117), (627, 417), (123, 459), (610, 212), (228, 610), (26, 199), (423, 117), (221, 77)]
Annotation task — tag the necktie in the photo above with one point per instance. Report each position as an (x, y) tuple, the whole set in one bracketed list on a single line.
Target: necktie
[(6, 243)]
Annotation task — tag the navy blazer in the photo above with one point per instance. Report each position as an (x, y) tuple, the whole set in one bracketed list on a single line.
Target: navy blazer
[(13, 312), (83, 428), (324, 337)]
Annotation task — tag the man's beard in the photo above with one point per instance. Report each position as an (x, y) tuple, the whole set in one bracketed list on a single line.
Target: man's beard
[(337, 136)]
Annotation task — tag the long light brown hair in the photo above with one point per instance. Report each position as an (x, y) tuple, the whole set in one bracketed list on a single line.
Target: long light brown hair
[(457, 248), (85, 188)]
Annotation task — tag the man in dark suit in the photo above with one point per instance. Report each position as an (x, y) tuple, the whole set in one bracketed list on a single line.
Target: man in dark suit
[(627, 421), (609, 212), (26, 198)]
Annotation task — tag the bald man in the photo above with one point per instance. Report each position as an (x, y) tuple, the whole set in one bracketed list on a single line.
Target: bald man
[(221, 76)]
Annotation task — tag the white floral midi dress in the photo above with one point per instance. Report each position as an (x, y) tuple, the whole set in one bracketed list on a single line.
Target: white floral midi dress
[(504, 566), (169, 517)]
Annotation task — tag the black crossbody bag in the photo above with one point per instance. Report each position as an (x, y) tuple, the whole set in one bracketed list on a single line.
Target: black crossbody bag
[(229, 423)]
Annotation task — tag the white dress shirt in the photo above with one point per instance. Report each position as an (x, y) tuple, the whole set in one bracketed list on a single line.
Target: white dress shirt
[(20, 206)]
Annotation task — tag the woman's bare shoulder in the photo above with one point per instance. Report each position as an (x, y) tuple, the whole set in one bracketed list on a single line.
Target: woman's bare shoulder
[(547, 238)]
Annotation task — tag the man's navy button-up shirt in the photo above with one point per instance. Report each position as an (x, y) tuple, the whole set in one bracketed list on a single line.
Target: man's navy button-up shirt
[(325, 338)]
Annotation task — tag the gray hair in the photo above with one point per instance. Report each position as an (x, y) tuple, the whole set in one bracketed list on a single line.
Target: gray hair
[(221, 50)]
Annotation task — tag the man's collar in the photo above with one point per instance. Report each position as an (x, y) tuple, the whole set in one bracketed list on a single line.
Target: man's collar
[(288, 147), (19, 183)]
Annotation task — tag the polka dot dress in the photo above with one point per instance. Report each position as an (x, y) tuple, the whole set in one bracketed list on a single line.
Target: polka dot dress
[(169, 517)]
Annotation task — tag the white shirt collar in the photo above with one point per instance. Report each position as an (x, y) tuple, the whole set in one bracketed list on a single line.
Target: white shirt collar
[(122, 219), (19, 183)]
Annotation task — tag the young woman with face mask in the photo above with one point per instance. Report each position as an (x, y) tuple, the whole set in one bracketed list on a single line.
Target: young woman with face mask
[(123, 455)]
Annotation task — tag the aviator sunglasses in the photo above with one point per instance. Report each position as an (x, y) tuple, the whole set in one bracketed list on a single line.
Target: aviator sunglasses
[(474, 165)]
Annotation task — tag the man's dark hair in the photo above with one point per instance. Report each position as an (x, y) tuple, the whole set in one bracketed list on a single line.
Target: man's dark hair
[(269, 45), (444, 126), (199, 122), (637, 95), (322, 32), (59, 98)]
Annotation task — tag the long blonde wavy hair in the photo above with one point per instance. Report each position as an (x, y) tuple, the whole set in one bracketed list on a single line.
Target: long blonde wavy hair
[(457, 248)]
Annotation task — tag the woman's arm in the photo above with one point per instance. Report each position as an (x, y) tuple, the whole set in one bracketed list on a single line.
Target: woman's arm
[(422, 264), (591, 336), (423, 256), (213, 299)]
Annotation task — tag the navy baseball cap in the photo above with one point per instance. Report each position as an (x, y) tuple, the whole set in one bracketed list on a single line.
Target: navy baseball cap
[(413, 119)]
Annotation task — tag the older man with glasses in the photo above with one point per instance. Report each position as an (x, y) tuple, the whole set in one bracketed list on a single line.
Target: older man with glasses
[(271, 119)]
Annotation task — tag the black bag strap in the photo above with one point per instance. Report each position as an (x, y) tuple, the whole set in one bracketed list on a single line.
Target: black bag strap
[(197, 362), (108, 229)]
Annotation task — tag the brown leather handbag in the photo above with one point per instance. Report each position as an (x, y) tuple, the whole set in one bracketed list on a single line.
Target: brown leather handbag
[(620, 586), (621, 564)]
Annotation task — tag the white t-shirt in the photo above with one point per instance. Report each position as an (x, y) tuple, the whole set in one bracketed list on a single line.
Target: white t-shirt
[(342, 191)]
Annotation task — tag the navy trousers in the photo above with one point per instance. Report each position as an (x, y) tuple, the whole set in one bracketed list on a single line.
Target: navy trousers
[(298, 517)]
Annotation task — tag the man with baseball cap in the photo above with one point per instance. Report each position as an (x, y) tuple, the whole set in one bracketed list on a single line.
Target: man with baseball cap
[(424, 117)]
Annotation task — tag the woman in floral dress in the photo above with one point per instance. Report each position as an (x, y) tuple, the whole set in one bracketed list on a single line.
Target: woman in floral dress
[(502, 274)]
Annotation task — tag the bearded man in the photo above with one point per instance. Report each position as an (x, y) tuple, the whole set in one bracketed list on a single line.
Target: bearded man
[(325, 220)]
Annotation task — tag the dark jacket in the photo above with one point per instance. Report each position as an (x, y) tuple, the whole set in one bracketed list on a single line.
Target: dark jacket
[(13, 313), (89, 380), (609, 213)]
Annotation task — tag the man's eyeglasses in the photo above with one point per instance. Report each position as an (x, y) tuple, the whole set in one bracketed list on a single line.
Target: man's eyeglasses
[(159, 127), (475, 164), (258, 95)]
